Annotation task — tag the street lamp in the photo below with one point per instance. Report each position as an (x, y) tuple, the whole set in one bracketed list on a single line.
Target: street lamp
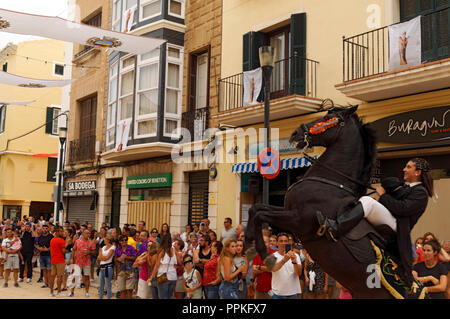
[(266, 60), (62, 133)]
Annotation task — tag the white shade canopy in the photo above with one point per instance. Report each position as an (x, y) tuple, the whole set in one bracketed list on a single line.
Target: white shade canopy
[(11, 79), (65, 30), (2, 102)]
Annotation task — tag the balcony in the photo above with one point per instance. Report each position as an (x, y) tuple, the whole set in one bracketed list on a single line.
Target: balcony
[(293, 91), (196, 121), (366, 59), (82, 149)]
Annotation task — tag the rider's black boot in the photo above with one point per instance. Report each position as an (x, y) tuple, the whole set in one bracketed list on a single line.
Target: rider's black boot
[(343, 224)]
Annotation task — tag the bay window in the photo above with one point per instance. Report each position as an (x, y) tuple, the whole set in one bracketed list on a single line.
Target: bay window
[(172, 110), (116, 15), (150, 9), (176, 8), (112, 105), (126, 88)]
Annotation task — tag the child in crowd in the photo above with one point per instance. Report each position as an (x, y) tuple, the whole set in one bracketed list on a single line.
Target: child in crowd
[(192, 279), (15, 244)]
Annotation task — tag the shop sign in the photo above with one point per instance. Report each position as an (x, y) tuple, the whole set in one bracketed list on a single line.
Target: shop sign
[(81, 186), (150, 181), (426, 125)]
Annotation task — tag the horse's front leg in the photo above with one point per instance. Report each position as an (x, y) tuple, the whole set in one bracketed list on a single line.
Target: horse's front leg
[(251, 231), (285, 220)]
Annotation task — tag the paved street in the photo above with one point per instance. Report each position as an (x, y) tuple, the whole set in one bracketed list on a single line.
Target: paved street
[(34, 291)]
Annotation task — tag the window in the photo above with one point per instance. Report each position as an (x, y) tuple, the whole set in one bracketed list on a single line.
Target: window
[(51, 169), (95, 21), (116, 15), (132, 6), (279, 40), (176, 8), (5, 67), (174, 70), (56, 112), (58, 69), (2, 117), (147, 94), (126, 88), (150, 9), (112, 105)]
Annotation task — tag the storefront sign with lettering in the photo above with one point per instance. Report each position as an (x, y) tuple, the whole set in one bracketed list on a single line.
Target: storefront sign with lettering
[(426, 125), (82, 186)]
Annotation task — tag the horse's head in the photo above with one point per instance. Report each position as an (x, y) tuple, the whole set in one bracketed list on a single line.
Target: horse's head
[(324, 131)]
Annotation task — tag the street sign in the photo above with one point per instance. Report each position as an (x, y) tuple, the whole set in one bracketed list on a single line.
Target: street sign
[(269, 163)]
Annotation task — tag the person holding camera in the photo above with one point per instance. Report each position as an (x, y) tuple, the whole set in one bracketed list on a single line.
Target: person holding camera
[(287, 270), (27, 251)]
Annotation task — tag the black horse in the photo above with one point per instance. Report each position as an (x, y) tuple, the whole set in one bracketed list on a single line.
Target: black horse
[(335, 181)]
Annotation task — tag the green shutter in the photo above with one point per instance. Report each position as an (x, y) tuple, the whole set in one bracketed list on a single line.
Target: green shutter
[(250, 55), (49, 121), (298, 54), (51, 169), (443, 33)]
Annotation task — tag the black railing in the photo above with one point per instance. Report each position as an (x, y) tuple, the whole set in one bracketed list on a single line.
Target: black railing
[(293, 75), (196, 121), (82, 149), (86, 49), (367, 54)]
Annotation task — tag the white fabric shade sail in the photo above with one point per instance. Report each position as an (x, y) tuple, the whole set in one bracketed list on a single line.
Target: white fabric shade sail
[(16, 80), (2, 102), (65, 30)]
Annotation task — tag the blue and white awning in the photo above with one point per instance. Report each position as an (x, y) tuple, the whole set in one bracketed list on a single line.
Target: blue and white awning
[(286, 163)]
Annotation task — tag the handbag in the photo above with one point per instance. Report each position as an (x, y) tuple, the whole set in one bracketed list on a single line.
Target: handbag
[(163, 278)]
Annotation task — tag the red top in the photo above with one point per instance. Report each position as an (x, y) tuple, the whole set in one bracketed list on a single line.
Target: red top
[(263, 280), (57, 244), (210, 271), (420, 258)]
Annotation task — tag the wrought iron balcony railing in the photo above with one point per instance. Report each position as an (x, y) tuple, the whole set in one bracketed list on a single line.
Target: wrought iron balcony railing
[(196, 121), (367, 54), (293, 75)]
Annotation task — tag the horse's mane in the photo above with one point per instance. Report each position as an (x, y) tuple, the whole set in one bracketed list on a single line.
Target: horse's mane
[(370, 149)]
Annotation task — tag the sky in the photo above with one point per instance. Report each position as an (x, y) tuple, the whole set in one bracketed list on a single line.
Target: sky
[(42, 7)]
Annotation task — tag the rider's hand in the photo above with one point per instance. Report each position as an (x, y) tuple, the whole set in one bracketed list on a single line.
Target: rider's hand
[(380, 190)]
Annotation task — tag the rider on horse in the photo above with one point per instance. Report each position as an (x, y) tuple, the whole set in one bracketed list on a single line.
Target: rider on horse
[(399, 210)]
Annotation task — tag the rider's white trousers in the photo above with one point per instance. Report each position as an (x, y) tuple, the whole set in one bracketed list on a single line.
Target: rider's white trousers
[(377, 214)]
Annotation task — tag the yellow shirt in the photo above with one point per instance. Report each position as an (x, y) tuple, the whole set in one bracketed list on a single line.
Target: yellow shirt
[(132, 242)]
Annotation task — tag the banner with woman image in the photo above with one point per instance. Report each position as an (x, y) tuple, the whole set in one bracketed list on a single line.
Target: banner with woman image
[(405, 44)]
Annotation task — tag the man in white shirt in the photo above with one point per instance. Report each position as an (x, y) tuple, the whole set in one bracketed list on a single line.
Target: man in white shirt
[(286, 272), (228, 231)]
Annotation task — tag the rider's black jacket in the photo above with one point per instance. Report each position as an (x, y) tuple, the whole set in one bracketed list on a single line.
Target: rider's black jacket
[(406, 205)]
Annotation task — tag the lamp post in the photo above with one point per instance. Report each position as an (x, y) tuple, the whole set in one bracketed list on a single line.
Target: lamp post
[(266, 60), (62, 133)]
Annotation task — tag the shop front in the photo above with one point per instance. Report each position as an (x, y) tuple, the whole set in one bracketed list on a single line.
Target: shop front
[(80, 198)]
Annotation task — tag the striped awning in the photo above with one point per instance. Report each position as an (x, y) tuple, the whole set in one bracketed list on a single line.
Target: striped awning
[(286, 163)]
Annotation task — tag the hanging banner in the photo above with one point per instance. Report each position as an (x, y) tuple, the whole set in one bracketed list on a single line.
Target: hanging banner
[(405, 44), (252, 86), (11, 79), (127, 20), (65, 30), (123, 129)]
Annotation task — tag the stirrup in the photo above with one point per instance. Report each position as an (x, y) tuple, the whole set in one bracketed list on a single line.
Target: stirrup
[(330, 233), (323, 228)]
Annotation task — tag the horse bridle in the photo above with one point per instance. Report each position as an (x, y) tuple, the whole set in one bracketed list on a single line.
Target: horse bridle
[(307, 139)]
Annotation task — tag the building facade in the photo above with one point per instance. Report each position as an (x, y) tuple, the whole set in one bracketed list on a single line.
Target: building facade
[(28, 164), (315, 62)]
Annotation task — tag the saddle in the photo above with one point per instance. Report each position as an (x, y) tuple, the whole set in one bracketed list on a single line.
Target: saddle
[(357, 240)]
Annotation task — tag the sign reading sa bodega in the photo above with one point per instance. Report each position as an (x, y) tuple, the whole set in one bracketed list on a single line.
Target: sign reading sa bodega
[(150, 181), (81, 186), (426, 125)]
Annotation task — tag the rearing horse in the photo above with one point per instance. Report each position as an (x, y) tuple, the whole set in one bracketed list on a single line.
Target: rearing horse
[(351, 152)]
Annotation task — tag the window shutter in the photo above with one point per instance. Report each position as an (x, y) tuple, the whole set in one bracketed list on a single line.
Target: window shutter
[(443, 33), (298, 53), (251, 43), (408, 9), (51, 169), (49, 121)]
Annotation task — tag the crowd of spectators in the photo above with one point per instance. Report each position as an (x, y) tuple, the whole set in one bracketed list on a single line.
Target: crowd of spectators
[(132, 262)]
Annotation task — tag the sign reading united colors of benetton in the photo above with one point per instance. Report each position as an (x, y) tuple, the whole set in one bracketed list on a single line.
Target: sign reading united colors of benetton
[(150, 181), (426, 125)]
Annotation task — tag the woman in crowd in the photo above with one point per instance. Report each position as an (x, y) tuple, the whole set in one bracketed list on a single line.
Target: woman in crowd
[(432, 273), (125, 256), (164, 270), (441, 256), (228, 271), (143, 290), (316, 280), (68, 234), (178, 245), (185, 236), (165, 229), (196, 228), (238, 260), (273, 242), (192, 279), (154, 236), (193, 244), (211, 280), (152, 256), (212, 235), (94, 239), (105, 260)]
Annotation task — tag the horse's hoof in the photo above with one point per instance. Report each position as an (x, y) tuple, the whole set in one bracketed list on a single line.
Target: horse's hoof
[(270, 261), (251, 253)]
